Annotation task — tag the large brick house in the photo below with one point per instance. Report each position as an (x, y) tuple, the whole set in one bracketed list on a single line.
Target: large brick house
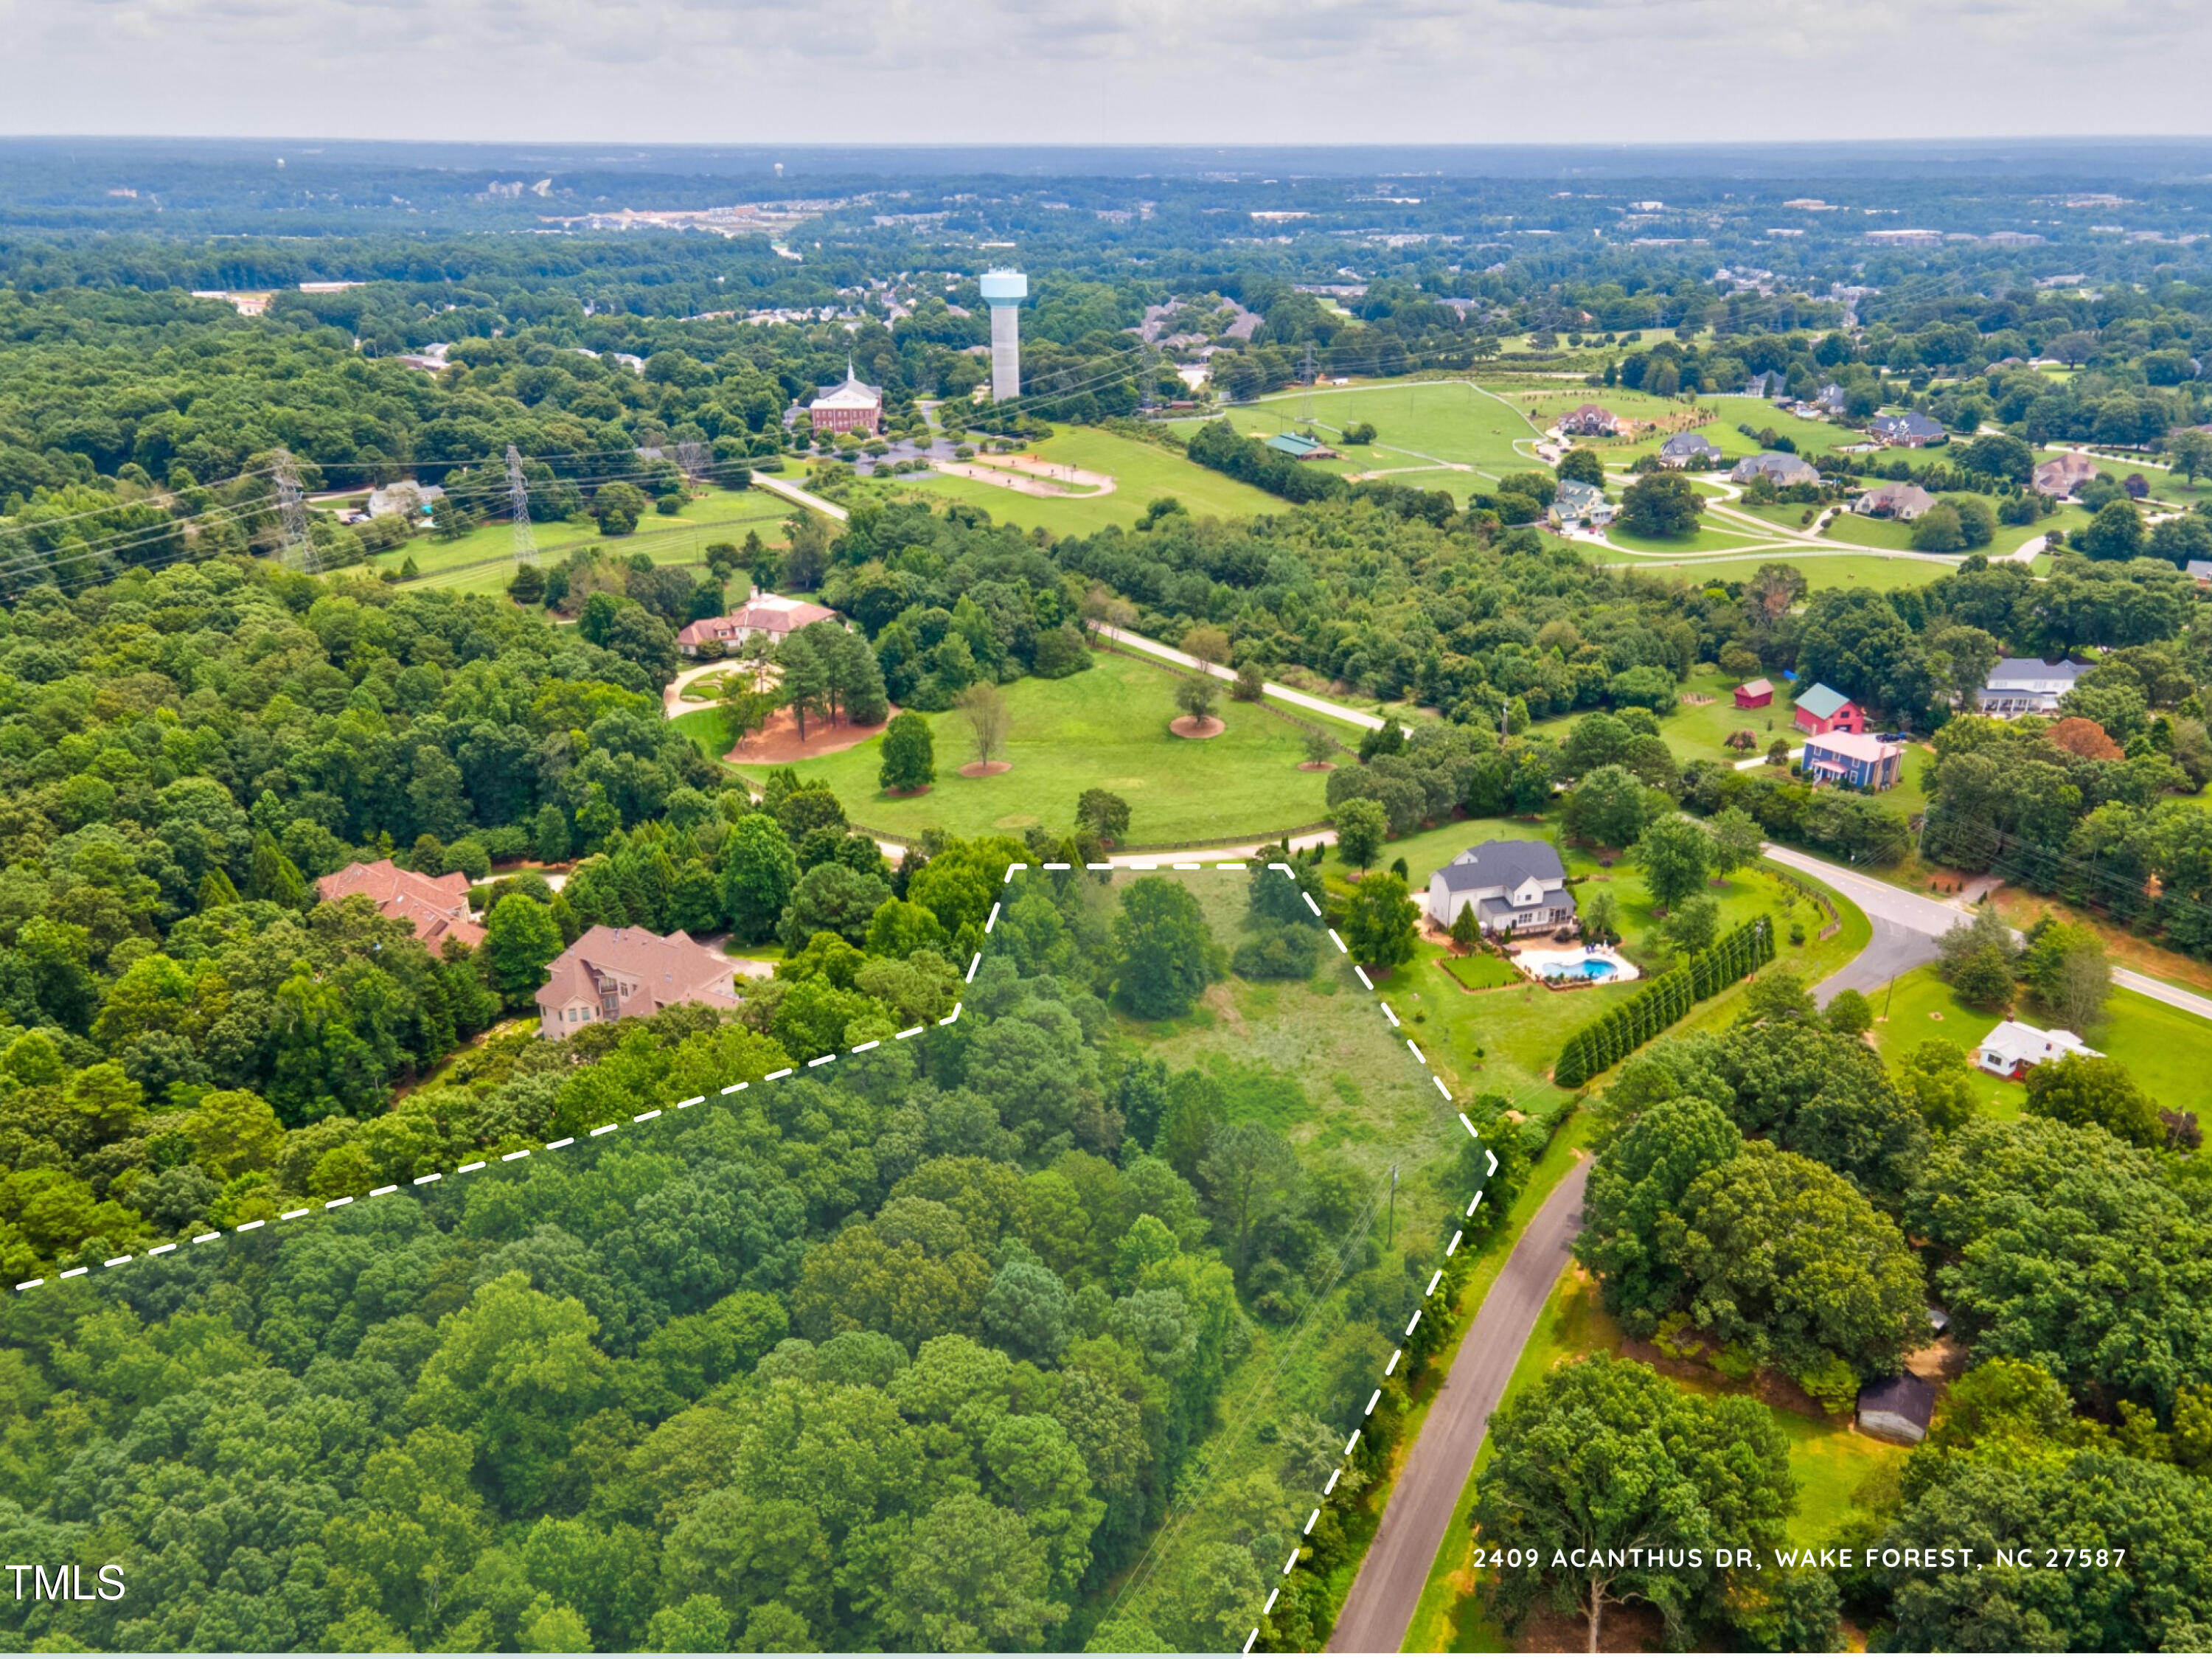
[(764, 613), (628, 973), (436, 907)]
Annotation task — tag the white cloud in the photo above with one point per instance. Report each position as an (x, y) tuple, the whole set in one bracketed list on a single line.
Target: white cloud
[(1250, 71)]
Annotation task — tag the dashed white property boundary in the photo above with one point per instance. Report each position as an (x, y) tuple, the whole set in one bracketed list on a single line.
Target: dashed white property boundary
[(1436, 1279)]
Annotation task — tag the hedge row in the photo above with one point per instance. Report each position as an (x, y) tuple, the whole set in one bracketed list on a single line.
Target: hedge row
[(1665, 999)]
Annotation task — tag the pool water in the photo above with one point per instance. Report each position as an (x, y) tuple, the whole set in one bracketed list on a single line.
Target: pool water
[(1588, 967)]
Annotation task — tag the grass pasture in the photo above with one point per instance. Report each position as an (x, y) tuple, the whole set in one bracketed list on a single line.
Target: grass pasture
[(482, 561), (1106, 727), (1142, 473), (1429, 427), (1869, 570)]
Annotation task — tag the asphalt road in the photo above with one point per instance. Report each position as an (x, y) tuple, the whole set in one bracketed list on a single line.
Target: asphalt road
[(1897, 914), (1396, 1567)]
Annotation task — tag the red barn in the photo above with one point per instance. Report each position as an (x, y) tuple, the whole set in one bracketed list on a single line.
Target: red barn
[(1823, 709), (1754, 694)]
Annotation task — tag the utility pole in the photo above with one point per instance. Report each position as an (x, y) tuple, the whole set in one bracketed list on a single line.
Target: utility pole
[(298, 548), (518, 495), (1390, 1232), (1306, 403)]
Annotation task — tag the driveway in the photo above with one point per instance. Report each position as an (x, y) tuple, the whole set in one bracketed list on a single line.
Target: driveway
[(1434, 1471), (1335, 711)]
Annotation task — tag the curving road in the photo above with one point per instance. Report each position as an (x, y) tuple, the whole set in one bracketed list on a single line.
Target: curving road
[(1396, 1567)]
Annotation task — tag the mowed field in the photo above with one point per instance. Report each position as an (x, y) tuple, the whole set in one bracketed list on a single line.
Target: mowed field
[(1104, 729), (1433, 434), (1142, 473), (1822, 569), (482, 559)]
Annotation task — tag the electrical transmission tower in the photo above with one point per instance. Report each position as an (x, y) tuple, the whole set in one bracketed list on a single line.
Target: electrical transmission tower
[(517, 493), (1306, 401), (298, 548)]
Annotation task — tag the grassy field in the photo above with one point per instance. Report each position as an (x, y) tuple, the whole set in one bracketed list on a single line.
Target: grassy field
[(480, 561), (1104, 729), (1822, 570), (1832, 1463), (1428, 425), (2162, 1046), (1709, 537), (1142, 472)]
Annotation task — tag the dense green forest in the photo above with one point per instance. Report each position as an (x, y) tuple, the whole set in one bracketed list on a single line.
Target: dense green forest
[(911, 1352)]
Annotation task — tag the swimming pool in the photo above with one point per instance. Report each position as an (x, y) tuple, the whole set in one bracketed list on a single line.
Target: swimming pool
[(1579, 964)]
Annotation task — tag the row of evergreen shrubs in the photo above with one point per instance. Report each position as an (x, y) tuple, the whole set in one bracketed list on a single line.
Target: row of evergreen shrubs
[(1622, 1031)]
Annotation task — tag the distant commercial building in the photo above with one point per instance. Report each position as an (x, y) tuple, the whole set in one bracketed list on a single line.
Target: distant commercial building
[(1822, 710), (1854, 757), (436, 907), (851, 406), (1299, 447), (2013, 1048), (1004, 292), (628, 972), (1513, 885)]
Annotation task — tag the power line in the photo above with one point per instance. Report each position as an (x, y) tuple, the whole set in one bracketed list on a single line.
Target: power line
[(517, 494), (299, 548)]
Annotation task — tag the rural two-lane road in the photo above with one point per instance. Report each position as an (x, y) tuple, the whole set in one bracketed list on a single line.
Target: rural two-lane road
[(1396, 1567)]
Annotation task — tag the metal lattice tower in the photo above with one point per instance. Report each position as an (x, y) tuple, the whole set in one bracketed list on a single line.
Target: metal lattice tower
[(517, 494), (298, 548), (1306, 401)]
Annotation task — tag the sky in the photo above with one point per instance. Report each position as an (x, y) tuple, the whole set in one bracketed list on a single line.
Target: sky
[(1089, 71)]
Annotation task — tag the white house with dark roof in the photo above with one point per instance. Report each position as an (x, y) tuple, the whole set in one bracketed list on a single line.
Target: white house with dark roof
[(1908, 430), (1513, 886), (1579, 503), (2027, 685)]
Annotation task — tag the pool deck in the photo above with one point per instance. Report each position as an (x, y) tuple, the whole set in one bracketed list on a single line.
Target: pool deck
[(1534, 963)]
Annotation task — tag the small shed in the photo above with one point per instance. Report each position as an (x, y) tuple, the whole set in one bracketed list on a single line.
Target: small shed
[(1754, 694), (1897, 1410)]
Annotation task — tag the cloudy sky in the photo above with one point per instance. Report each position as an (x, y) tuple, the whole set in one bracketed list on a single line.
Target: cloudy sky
[(1105, 71)]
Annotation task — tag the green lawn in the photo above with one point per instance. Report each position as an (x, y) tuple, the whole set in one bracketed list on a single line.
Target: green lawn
[(1142, 472), (1503, 1041), (2162, 1046), (1695, 732), (1859, 531), (1417, 423), (1870, 570), (1709, 537), (718, 515), (1104, 729)]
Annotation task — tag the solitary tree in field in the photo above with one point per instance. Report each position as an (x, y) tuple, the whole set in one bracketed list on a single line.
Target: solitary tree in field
[(2191, 452), (1104, 813), (1198, 695), (985, 710), (1675, 853), (909, 754), (1320, 746)]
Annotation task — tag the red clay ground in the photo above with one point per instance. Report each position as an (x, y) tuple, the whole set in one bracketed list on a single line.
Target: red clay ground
[(1197, 730), (986, 769), (778, 742)]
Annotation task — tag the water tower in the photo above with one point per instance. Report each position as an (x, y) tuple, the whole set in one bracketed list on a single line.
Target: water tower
[(1004, 292)]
